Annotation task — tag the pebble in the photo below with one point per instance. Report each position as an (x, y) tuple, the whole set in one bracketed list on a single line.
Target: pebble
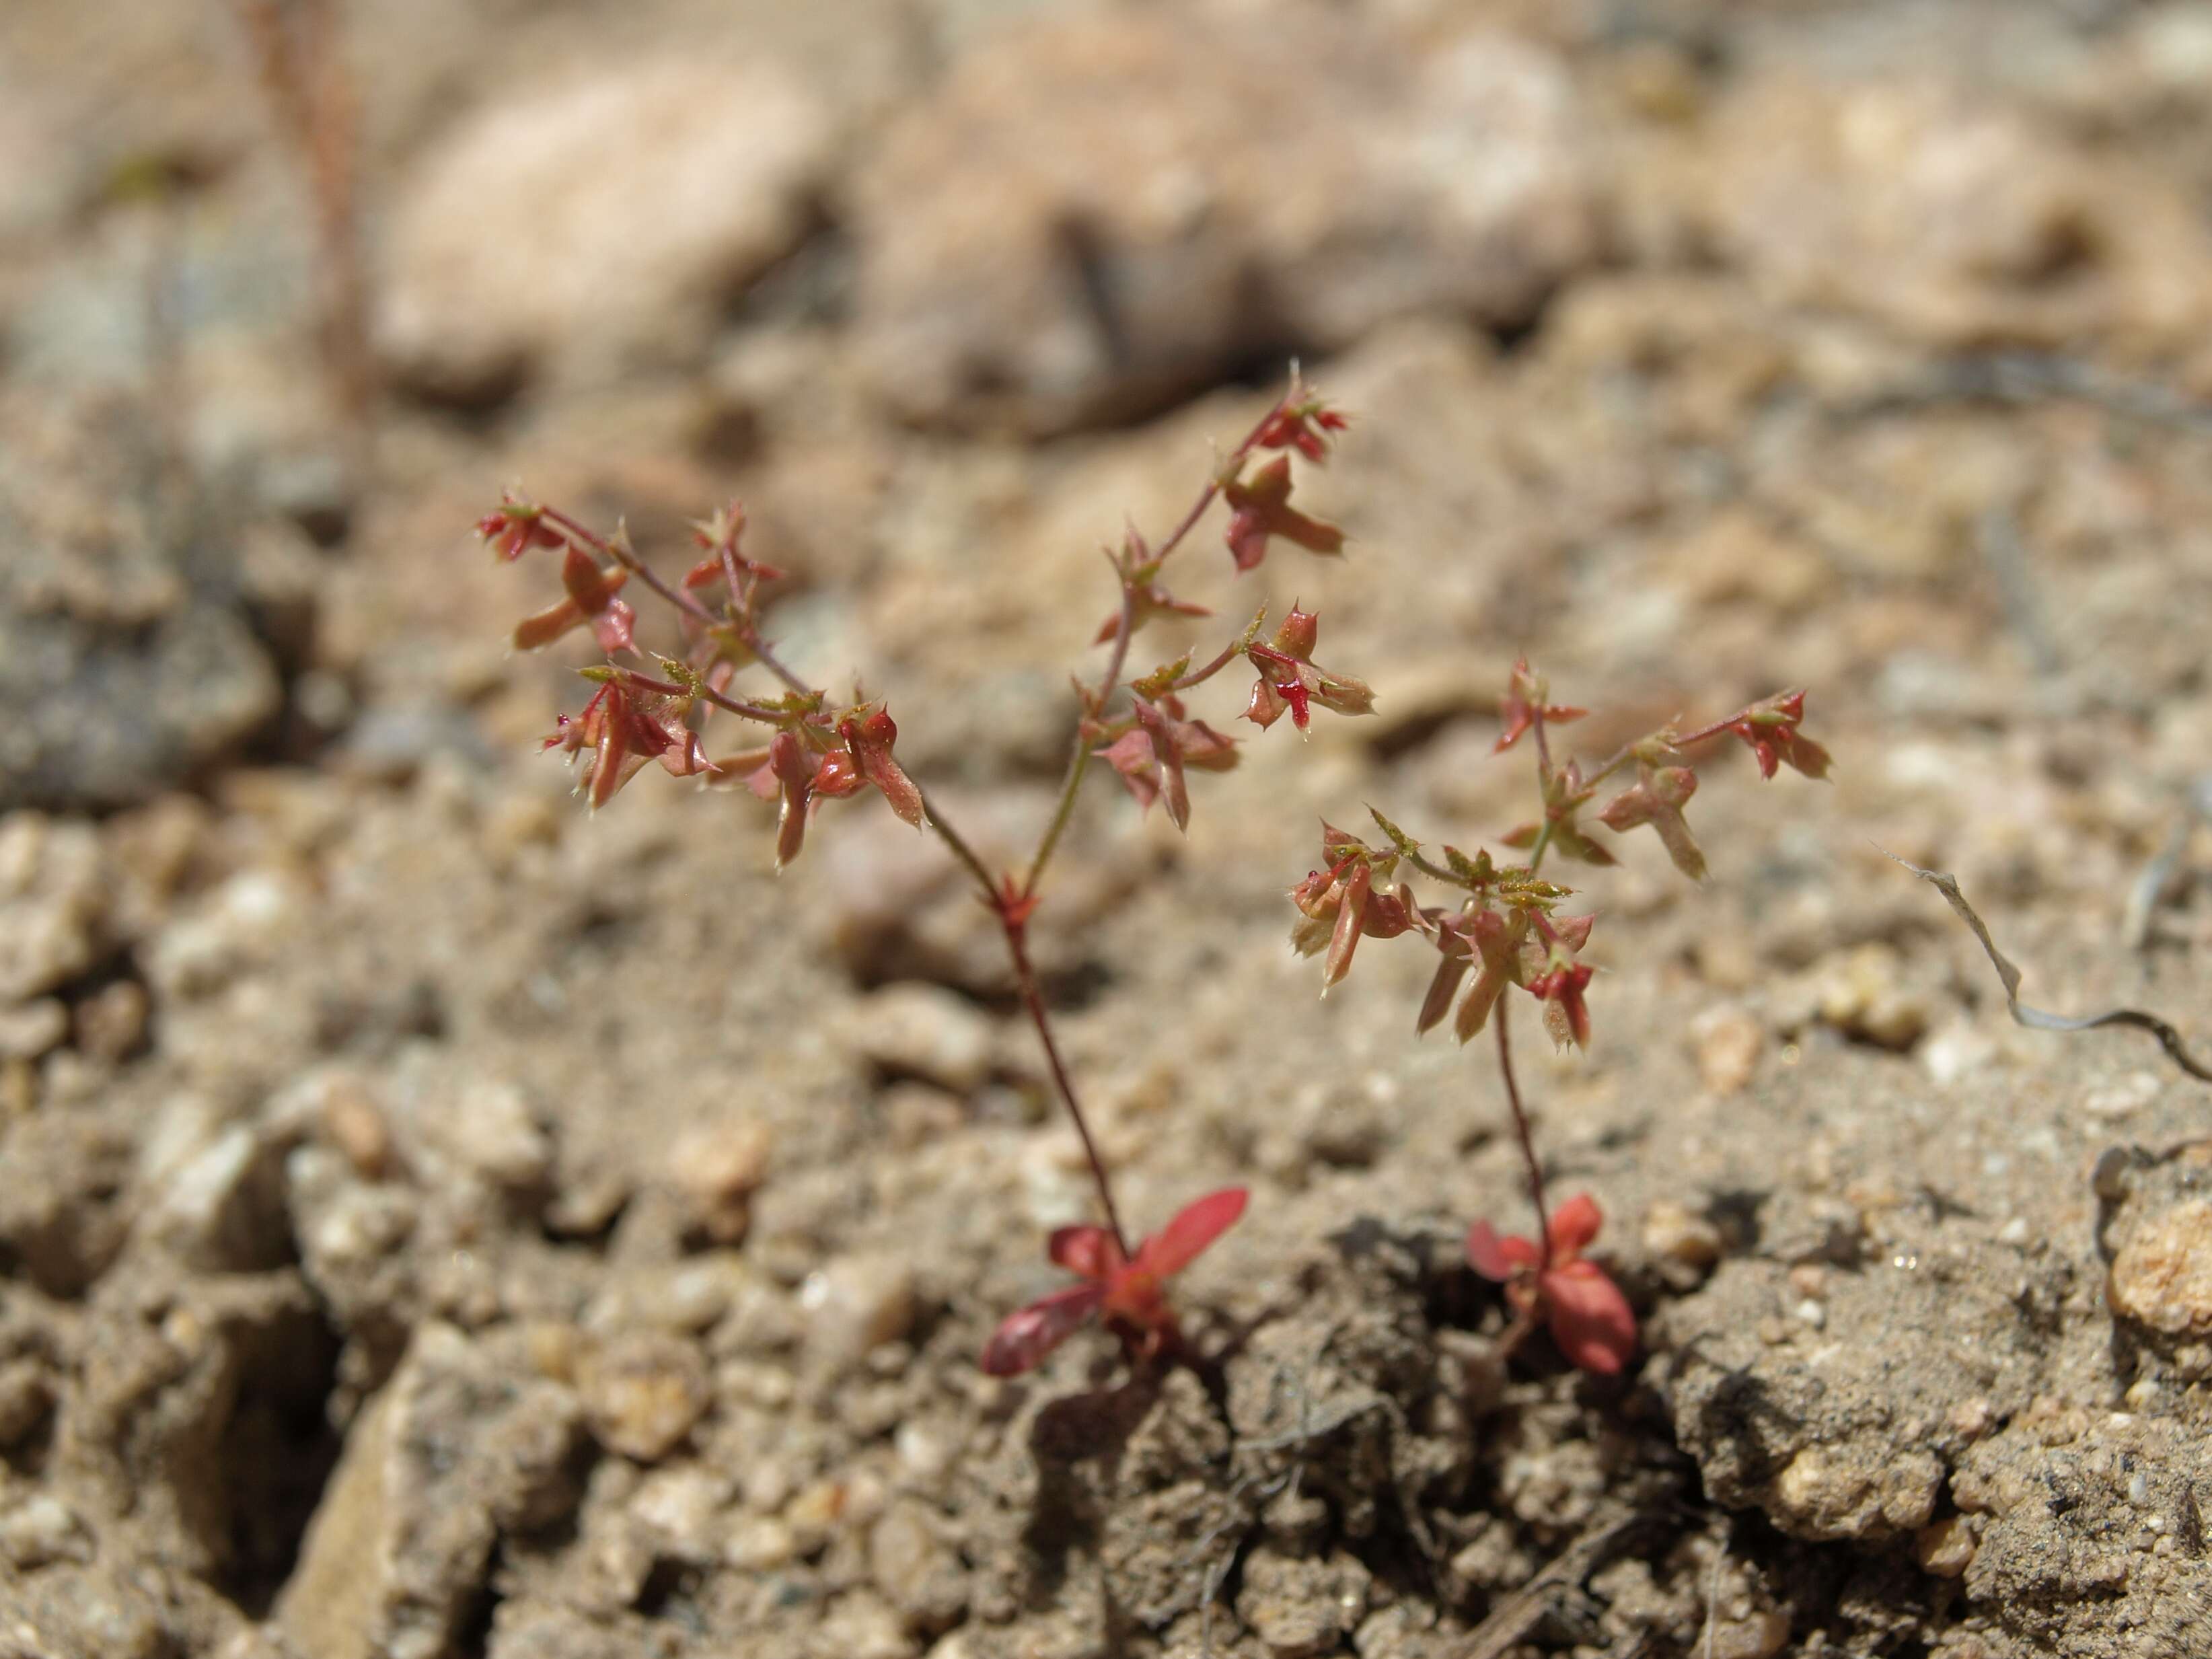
[(358, 1127), (1859, 993), (2124, 1097), (53, 903), (680, 1504), (1758, 1635), (1726, 1041), (110, 1022), (1826, 1493), (1681, 1239), (855, 1303), (760, 1544), (26, 1396), (925, 1031), (1945, 1547), (491, 1130), (861, 1625), (41, 1530), (717, 1168), (2162, 1276), (643, 1392), (30, 1029), (914, 1568)]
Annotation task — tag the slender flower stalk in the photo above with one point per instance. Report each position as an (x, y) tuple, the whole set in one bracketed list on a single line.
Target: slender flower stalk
[(648, 706), (1508, 930)]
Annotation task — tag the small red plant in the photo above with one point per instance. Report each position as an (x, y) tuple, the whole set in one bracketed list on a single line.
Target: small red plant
[(1129, 1293), (1509, 929), (646, 706), (1587, 1315)]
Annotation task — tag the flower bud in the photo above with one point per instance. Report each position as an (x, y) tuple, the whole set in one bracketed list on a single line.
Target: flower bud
[(1297, 637)]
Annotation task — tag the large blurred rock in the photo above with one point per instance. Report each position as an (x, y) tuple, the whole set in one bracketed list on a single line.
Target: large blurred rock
[(128, 662), (1958, 220), (594, 224), (457, 1450), (1095, 214)]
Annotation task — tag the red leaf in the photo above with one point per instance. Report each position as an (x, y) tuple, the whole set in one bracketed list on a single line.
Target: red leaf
[(1088, 1251), (1575, 1226), (1498, 1259), (1026, 1336), (1588, 1317), (1196, 1225)]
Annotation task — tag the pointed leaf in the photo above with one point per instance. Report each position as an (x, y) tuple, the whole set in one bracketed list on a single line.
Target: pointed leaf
[(1196, 1225), (1026, 1336), (1443, 986), (1575, 1226), (1086, 1250), (1498, 1258), (1588, 1317)]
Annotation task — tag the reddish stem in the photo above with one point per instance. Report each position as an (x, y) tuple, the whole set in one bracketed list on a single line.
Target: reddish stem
[(1521, 1128), (1016, 928)]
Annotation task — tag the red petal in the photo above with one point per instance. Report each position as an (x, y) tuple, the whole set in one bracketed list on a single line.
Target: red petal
[(1495, 1258), (1344, 938), (614, 626), (1196, 1225), (1088, 1251), (546, 626), (1575, 1226), (1588, 1317), (1026, 1337)]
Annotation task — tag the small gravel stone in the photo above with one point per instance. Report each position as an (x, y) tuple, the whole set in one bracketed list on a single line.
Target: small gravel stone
[(1831, 1492), (1945, 1547), (855, 1303), (31, 1029), (493, 1133), (1759, 1636), (2162, 1276), (1300, 1609), (760, 1544), (915, 1569), (643, 1392), (41, 1530), (928, 1032), (27, 1394), (1861, 993), (1727, 1040), (717, 1168), (1686, 1243), (110, 1022), (680, 1504)]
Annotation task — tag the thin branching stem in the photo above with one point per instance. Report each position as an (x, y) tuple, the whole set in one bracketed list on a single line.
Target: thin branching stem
[(1521, 1129), (1078, 758), (957, 845), (1033, 1000)]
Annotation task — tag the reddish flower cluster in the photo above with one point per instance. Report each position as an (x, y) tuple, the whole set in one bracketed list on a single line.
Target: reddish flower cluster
[(1508, 930), (648, 706), (811, 761), (1290, 680), (626, 724), (1505, 928)]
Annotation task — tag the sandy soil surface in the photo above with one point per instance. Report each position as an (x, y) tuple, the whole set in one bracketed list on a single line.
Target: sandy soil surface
[(436, 1221)]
